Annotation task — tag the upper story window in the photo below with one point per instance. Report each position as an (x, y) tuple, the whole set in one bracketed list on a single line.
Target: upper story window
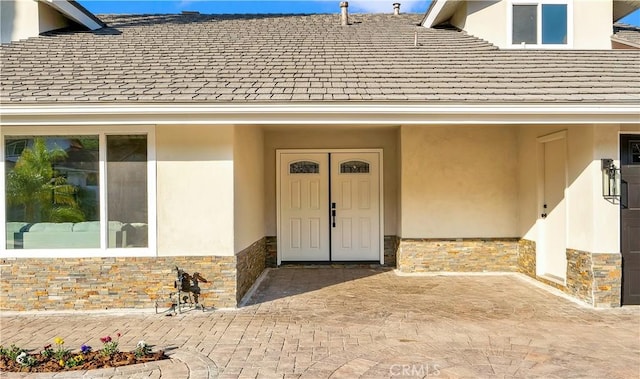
[(542, 24)]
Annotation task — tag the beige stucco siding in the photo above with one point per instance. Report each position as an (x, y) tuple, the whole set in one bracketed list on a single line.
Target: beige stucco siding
[(195, 190), (484, 19), (592, 25), (592, 222), (248, 155), (458, 181), (489, 20), (327, 137), (21, 19)]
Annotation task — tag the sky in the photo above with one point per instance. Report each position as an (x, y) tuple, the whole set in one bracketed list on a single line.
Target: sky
[(251, 6), (267, 6)]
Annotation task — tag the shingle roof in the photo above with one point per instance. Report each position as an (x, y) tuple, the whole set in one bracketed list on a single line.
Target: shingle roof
[(280, 58), (627, 33)]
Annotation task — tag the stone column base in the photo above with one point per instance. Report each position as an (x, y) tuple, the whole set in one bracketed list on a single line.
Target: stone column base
[(593, 278)]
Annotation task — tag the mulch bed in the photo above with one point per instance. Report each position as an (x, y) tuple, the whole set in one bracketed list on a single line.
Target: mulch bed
[(92, 360)]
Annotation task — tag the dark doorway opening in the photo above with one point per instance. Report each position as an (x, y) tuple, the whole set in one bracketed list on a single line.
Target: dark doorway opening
[(630, 217)]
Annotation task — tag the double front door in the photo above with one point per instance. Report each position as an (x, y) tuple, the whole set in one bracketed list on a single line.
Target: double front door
[(329, 205)]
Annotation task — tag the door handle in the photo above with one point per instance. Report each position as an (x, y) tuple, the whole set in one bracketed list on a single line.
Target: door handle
[(333, 215)]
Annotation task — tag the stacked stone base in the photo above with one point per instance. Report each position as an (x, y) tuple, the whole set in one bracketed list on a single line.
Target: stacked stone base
[(250, 264), (593, 278), (458, 255), (124, 282), (139, 282)]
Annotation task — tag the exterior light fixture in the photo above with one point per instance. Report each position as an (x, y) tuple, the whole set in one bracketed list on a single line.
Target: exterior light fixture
[(610, 181)]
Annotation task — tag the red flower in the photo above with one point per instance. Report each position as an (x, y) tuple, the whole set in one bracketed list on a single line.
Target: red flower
[(118, 335), (105, 339)]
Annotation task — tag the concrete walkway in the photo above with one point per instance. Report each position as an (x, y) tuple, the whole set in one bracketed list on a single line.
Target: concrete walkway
[(369, 323)]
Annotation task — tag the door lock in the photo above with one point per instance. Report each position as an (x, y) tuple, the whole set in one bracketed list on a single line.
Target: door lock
[(544, 213)]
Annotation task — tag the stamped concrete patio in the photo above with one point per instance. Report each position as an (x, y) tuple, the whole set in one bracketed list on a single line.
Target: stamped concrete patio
[(370, 323)]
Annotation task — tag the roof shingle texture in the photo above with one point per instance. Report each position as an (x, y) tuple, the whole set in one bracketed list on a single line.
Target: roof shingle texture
[(283, 58), (627, 32)]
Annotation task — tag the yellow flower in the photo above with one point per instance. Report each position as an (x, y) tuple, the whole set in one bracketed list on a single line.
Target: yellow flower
[(58, 341), (61, 363)]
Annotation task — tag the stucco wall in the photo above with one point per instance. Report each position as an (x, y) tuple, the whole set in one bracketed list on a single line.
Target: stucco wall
[(195, 190), (459, 181), (593, 223), (21, 19), (489, 20), (326, 137), (592, 25), (485, 19), (248, 155), (580, 190), (18, 20)]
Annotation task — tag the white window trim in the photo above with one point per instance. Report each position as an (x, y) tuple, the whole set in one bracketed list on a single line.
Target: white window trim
[(539, 45), (103, 251)]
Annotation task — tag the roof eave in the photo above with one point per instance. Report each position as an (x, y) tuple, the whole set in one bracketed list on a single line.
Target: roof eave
[(440, 11), (308, 113), (622, 8), (76, 12), (623, 41)]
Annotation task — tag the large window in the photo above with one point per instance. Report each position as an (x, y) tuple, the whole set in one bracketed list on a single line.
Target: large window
[(540, 23), (71, 192)]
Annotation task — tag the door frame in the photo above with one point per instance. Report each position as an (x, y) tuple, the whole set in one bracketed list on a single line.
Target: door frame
[(541, 259), (280, 152)]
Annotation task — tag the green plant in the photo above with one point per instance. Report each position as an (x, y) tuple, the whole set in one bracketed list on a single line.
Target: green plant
[(39, 189), (26, 360), (109, 346), (60, 352), (142, 349), (75, 361), (47, 352), (11, 352)]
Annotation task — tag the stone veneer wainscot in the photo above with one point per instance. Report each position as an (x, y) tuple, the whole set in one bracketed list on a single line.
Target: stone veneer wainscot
[(123, 282), (250, 264), (458, 255), (593, 278)]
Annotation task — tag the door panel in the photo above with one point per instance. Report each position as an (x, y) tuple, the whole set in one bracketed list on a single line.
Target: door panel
[(355, 182), (304, 202), (630, 218), (554, 243)]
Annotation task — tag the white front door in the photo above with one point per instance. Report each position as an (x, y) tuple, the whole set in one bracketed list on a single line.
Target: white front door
[(554, 212), (355, 191), (329, 206)]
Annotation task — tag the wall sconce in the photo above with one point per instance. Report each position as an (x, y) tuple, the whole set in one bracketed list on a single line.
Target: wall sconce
[(610, 181)]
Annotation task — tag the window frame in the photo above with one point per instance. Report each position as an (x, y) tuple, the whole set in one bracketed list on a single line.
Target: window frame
[(539, 4), (102, 133)]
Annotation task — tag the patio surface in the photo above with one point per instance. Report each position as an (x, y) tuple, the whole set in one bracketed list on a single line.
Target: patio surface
[(361, 322)]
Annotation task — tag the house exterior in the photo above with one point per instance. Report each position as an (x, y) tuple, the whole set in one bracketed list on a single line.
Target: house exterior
[(225, 144)]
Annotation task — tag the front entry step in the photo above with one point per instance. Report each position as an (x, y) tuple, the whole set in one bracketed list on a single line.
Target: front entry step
[(328, 264)]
